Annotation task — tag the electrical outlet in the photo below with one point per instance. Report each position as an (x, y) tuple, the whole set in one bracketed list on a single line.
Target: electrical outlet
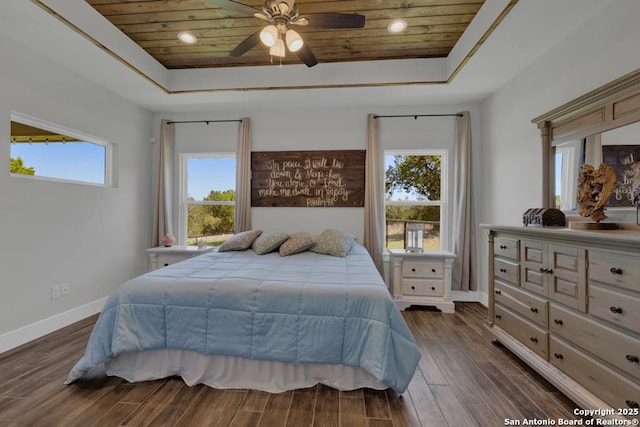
[(55, 292), (64, 289)]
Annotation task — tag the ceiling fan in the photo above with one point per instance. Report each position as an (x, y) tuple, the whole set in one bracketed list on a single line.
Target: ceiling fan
[(280, 15)]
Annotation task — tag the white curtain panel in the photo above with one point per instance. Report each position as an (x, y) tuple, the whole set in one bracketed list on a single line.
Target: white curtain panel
[(242, 220), (464, 275), (374, 195), (162, 207)]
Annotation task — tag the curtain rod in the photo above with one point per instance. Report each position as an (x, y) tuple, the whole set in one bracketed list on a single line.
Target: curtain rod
[(205, 121), (415, 116)]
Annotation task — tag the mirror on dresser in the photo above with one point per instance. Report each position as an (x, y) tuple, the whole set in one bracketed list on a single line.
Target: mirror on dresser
[(600, 126), (618, 147)]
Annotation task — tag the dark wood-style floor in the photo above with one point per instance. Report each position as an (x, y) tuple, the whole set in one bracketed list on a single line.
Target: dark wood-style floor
[(463, 380)]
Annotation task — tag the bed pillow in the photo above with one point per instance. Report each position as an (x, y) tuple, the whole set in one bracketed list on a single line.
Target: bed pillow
[(333, 242), (269, 242), (240, 241), (297, 242)]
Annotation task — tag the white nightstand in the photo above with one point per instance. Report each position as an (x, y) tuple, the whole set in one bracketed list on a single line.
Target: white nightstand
[(421, 279), (162, 256)]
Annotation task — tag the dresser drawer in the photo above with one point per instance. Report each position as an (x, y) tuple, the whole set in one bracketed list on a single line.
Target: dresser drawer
[(605, 383), (619, 350), (506, 270), (525, 332), (423, 287), (615, 307), (527, 305), (615, 270), (422, 269), (507, 247)]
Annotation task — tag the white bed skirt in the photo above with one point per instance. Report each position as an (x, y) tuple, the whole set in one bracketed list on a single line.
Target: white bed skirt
[(236, 372)]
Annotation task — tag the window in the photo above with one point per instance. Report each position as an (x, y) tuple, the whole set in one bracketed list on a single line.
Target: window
[(415, 192), (207, 197), (47, 151)]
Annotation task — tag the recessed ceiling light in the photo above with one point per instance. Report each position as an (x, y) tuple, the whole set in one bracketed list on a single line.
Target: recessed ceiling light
[(397, 26), (187, 37)]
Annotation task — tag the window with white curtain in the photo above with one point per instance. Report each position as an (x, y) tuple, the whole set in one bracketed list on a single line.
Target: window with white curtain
[(207, 197), (415, 193)]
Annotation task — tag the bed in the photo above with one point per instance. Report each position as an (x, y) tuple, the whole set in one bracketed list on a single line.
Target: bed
[(240, 319)]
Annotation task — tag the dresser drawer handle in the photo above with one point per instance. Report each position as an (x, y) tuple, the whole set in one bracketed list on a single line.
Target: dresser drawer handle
[(413, 288), (543, 270), (633, 359), (433, 270), (498, 292), (503, 246), (534, 340), (433, 288), (413, 269), (615, 309), (498, 317), (558, 356), (632, 404), (534, 310), (503, 270), (616, 270), (557, 321)]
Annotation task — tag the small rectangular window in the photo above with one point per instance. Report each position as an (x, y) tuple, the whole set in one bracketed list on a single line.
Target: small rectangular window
[(415, 194), (39, 150)]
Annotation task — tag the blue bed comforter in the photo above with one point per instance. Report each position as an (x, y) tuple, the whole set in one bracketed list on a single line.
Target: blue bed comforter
[(305, 308)]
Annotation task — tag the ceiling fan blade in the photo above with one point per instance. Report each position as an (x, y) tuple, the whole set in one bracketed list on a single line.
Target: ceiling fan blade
[(233, 5), (246, 45), (306, 55), (334, 20)]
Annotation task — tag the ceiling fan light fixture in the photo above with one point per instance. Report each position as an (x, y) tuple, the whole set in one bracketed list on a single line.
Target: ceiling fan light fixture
[(294, 41), (397, 26), (187, 37), (277, 49), (269, 35)]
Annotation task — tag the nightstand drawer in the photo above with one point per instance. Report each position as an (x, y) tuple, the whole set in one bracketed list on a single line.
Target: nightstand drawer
[(424, 287), (422, 269)]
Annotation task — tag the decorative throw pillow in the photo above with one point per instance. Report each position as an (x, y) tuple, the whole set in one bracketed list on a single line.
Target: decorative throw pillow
[(297, 242), (269, 242), (333, 242), (240, 241)]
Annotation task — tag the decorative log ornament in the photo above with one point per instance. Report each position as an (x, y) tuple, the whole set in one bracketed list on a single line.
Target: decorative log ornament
[(595, 186)]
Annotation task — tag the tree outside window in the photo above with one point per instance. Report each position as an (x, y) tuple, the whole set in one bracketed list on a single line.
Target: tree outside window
[(414, 195)]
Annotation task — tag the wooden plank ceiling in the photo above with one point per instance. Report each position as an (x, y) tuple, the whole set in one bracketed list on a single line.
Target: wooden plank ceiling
[(434, 27)]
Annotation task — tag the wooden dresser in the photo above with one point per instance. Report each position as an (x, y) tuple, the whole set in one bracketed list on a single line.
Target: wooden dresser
[(567, 302)]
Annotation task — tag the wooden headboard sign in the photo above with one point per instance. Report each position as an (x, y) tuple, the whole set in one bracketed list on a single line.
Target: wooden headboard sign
[(307, 178)]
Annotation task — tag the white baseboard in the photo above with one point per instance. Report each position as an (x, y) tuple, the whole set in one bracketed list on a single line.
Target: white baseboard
[(471, 296), (42, 327)]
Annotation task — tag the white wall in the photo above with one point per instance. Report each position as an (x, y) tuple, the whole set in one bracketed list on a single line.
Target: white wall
[(317, 129), (601, 50), (90, 237)]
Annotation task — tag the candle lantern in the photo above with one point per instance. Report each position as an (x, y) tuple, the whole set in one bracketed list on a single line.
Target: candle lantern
[(414, 238)]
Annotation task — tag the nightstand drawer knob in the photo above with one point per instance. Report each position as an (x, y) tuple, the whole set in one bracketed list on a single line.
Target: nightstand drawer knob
[(433, 270), (534, 310), (615, 309), (503, 270), (498, 292), (413, 288), (534, 340), (498, 317), (558, 356), (557, 321), (616, 270), (413, 270), (433, 288)]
